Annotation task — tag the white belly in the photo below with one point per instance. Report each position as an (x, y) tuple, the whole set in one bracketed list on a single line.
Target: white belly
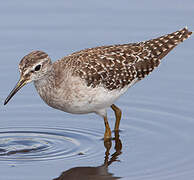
[(93, 100), (75, 97), (87, 99)]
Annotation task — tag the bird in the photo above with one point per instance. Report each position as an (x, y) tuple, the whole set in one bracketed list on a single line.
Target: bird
[(91, 80)]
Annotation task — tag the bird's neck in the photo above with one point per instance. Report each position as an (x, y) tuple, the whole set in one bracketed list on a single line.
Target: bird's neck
[(44, 86)]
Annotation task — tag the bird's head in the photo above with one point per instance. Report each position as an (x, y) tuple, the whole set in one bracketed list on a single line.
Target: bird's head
[(32, 67)]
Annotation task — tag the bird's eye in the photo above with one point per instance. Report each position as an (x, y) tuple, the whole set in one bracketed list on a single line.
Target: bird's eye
[(37, 68)]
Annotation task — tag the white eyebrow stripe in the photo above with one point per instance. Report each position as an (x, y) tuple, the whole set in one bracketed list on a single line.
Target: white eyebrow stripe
[(31, 69), (26, 72)]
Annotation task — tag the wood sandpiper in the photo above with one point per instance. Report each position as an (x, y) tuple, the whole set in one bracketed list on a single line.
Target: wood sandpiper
[(91, 80)]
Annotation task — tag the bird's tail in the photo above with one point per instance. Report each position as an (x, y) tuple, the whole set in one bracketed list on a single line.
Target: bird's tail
[(164, 44), (159, 48)]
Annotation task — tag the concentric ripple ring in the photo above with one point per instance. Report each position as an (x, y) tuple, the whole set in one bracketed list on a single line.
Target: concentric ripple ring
[(30, 144)]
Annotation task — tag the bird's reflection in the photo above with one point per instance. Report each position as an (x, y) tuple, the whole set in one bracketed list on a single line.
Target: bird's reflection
[(99, 172)]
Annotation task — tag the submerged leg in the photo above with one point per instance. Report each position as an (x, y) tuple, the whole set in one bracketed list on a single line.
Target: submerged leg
[(107, 134), (118, 113), (107, 145)]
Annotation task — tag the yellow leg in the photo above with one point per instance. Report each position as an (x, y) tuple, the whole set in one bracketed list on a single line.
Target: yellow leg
[(117, 115), (107, 145), (107, 134), (118, 143), (118, 150)]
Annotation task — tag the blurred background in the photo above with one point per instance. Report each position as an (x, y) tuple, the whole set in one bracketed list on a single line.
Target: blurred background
[(157, 129)]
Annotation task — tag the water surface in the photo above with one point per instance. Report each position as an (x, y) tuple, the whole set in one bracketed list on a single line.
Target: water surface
[(157, 130)]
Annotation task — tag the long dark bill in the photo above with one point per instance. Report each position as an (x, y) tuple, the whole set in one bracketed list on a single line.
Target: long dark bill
[(18, 86)]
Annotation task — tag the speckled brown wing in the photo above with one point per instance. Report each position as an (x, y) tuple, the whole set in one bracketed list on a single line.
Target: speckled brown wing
[(109, 66), (116, 66)]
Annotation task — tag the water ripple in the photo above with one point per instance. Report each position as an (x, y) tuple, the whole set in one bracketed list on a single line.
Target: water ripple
[(161, 139), (30, 144)]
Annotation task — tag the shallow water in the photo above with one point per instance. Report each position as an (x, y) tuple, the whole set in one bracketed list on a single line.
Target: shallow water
[(157, 130)]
